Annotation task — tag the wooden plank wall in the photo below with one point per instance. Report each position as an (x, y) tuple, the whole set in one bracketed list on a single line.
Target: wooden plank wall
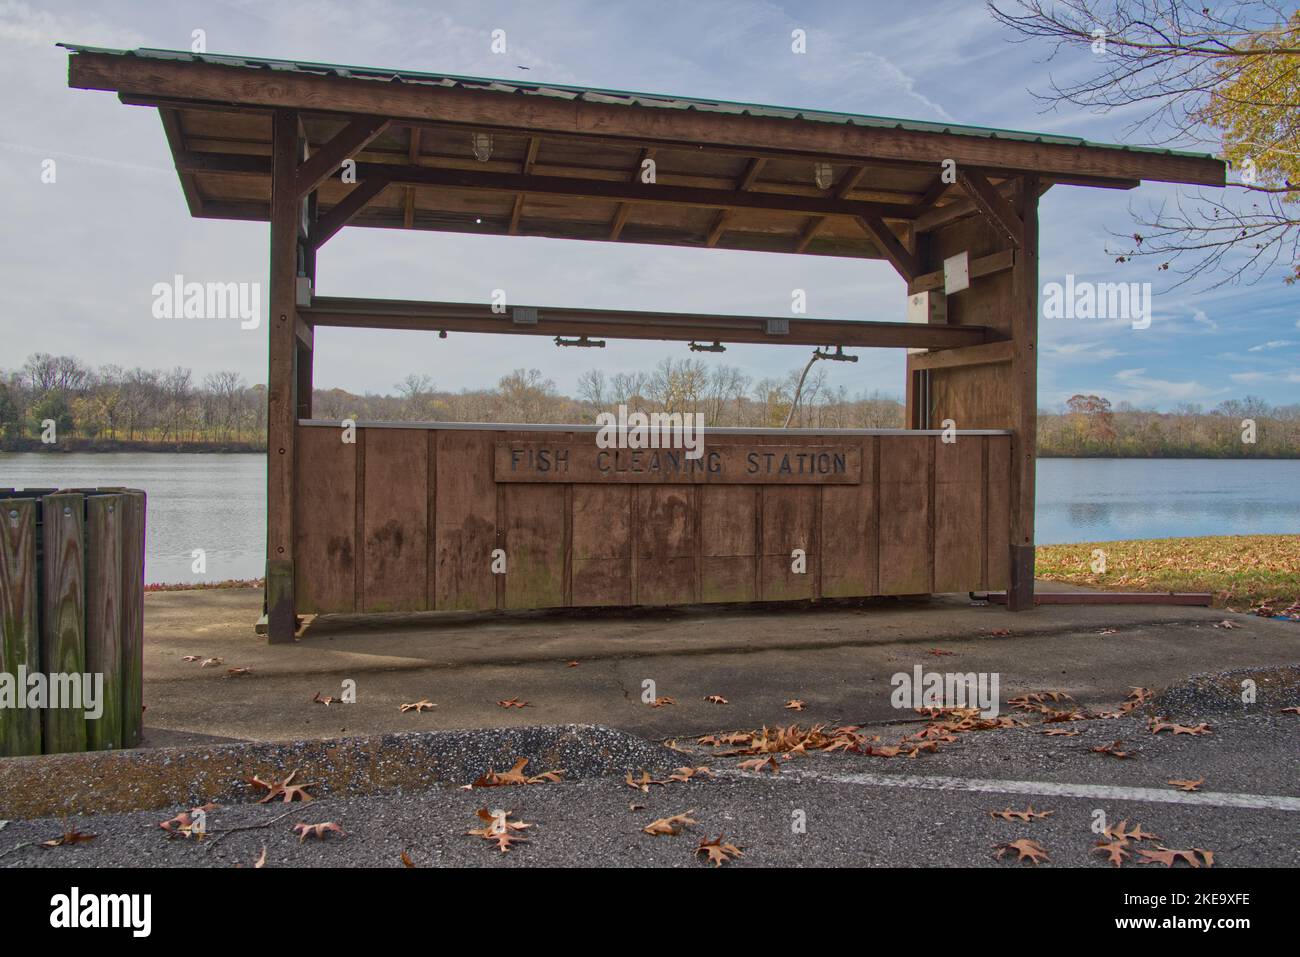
[(408, 519), (72, 601)]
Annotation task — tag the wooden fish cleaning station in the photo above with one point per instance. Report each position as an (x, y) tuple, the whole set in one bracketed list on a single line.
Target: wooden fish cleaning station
[(408, 516)]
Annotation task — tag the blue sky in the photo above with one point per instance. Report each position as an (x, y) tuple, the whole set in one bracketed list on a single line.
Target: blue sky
[(82, 254)]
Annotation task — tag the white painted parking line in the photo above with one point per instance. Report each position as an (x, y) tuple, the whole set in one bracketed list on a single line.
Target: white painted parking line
[(1108, 792)]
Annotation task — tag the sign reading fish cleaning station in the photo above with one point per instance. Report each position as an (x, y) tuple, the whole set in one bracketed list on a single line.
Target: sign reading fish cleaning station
[(585, 462)]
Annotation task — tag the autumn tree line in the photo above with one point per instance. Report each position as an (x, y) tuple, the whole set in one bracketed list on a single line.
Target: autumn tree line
[(113, 408)]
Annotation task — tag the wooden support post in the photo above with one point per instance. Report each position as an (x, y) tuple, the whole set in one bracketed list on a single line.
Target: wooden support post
[(1023, 389), (20, 728), (282, 379)]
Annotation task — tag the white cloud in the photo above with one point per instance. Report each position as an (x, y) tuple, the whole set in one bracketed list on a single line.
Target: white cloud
[(1272, 344), (1281, 376), (1080, 351), (1140, 389)]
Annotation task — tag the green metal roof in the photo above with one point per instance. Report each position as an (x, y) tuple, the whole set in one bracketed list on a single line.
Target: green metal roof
[(614, 97)]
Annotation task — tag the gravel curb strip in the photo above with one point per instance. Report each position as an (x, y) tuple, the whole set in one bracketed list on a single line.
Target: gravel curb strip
[(116, 781)]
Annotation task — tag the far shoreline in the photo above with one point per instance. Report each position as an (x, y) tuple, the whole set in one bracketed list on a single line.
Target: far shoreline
[(118, 446)]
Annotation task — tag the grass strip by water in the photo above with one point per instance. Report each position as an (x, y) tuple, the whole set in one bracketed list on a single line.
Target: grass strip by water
[(1243, 572)]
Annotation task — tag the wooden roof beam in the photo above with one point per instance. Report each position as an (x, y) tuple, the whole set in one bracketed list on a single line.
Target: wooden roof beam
[(847, 142), (623, 324)]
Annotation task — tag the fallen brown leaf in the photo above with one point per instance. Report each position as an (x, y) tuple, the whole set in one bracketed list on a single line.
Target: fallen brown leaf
[(1029, 814), (718, 852), (1117, 851), (1159, 725), (670, 825), (499, 829), (286, 790), (1119, 832), (417, 706), (318, 831), (183, 824), (1187, 785), (1168, 857), (1113, 749), (1027, 849), (70, 836), (516, 775)]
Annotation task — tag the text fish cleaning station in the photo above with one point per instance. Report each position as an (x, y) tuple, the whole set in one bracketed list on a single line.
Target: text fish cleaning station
[(407, 517)]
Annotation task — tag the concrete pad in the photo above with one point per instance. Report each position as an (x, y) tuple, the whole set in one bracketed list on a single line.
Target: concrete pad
[(838, 658)]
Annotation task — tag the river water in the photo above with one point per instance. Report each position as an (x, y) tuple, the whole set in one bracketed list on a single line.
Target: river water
[(215, 502)]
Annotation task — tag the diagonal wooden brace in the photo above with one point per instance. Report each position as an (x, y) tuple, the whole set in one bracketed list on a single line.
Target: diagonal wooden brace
[(890, 247), (347, 142), (343, 211), (997, 209)]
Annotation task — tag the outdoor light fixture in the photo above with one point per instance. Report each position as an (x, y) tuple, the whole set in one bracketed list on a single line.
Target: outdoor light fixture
[(837, 356), (482, 147), (582, 342), (823, 175), (716, 347)]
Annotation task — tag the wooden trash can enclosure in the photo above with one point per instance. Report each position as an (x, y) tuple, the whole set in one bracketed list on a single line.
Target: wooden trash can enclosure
[(72, 611), (443, 517)]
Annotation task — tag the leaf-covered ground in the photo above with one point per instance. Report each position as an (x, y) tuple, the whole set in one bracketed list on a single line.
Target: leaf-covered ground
[(1243, 572)]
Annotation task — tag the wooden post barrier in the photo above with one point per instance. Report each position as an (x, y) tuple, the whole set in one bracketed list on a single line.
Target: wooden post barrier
[(72, 612)]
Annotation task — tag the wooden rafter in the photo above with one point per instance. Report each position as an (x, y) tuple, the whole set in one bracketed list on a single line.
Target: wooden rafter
[(412, 157), (848, 182), (747, 179), (530, 160), (934, 193), (620, 217), (501, 182), (176, 141)]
